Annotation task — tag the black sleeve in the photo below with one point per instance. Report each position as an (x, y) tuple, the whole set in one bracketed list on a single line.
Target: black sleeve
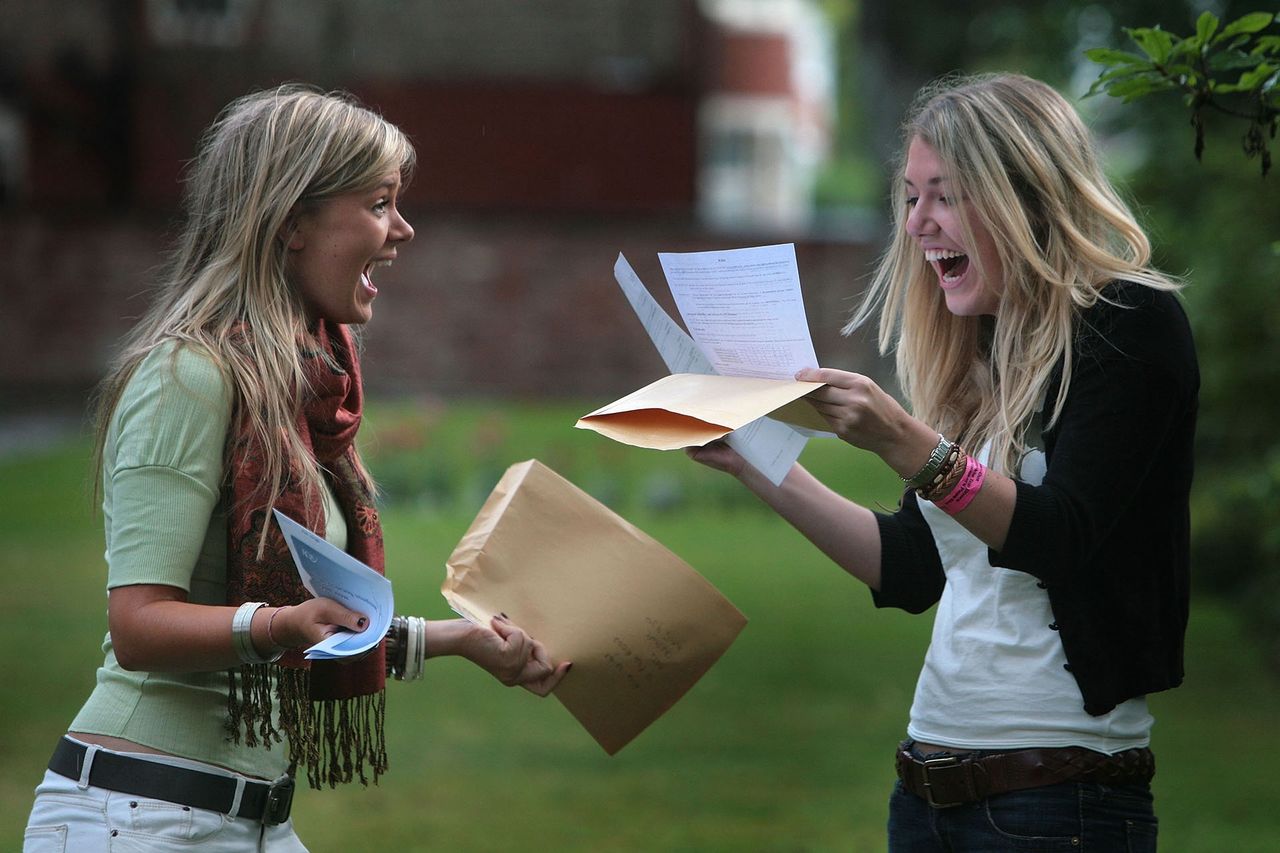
[(911, 576), (1133, 382)]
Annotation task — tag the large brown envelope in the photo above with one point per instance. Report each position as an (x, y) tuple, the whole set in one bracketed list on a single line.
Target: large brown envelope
[(638, 623), (692, 409)]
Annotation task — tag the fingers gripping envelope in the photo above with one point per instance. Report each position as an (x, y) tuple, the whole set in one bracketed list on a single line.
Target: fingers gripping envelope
[(689, 410), (640, 625)]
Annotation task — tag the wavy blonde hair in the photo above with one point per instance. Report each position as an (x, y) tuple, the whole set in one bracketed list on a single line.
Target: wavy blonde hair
[(266, 157), (1021, 157)]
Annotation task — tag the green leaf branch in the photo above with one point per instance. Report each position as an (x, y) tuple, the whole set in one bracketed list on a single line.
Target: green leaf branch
[(1233, 70)]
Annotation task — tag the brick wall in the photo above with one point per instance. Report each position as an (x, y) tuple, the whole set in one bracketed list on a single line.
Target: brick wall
[(477, 305)]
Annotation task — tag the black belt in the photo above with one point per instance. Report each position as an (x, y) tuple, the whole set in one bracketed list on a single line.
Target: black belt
[(261, 801), (951, 779)]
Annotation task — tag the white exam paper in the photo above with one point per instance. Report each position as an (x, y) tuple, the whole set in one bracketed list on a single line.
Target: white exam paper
[(767, 445), (329, 572), (744, 309)]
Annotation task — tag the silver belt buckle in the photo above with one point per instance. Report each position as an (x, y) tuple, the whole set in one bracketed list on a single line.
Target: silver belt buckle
[(279, 802)]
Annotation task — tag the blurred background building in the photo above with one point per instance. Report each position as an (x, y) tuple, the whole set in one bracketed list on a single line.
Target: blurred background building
[(552, 134)]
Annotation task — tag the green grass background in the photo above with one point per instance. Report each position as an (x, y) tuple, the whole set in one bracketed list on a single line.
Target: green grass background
[(785, 745)]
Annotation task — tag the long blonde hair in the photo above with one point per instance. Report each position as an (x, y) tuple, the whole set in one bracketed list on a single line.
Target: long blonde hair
[(1020, 154), (266, 157)]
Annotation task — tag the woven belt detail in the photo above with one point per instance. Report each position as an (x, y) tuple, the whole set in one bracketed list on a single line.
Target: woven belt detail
[(949, 780)]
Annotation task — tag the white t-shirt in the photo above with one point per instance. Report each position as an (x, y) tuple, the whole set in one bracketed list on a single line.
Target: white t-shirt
[(994, 676)]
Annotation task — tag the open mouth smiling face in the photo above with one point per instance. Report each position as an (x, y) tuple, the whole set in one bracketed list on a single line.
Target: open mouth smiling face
[(338, 247), (965, 261)]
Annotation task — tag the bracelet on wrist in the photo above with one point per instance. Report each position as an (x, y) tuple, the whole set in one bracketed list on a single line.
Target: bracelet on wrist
[(406, 647), (929, 470), (965, 489), (241, 634), (275, 644), (952, 466)]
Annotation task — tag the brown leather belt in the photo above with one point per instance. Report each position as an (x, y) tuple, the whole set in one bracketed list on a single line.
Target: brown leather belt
[(950, 779)]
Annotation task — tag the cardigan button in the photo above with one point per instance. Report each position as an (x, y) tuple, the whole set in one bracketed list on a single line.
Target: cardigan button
[(1042, 584), (1067, 667), (1053, 626)]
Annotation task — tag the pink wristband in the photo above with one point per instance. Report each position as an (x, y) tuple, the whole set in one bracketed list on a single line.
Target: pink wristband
[(959, 497)]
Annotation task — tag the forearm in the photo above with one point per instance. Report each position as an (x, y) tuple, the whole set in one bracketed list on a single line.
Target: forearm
[(155, 629), (450, 637), (843, 530), (989, 513), (177, 636)]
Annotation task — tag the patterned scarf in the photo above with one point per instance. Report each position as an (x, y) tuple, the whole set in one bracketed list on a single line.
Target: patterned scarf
[(330, 712)]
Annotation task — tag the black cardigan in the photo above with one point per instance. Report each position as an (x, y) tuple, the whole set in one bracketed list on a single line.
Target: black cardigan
[(1107, 532)]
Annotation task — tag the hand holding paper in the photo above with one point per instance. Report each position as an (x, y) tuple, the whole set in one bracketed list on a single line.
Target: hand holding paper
[(328, 572)]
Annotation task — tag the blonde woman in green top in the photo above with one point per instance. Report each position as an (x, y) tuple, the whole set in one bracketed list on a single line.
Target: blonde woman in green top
[(238, 393)]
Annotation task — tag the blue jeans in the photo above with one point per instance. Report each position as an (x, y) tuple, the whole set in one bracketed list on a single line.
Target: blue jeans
[(1081, 817)]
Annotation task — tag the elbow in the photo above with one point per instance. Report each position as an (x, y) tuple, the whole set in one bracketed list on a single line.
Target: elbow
[(129, 644), (139, 628), (128, 652)]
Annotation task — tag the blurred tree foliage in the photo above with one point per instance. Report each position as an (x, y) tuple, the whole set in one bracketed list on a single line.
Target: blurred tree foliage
[(1221, 223), (1214, 222)]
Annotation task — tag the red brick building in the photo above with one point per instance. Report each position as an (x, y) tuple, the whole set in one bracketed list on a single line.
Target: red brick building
[(551, 136)]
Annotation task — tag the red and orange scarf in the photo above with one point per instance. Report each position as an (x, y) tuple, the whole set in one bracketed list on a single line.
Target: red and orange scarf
[(331, 713)]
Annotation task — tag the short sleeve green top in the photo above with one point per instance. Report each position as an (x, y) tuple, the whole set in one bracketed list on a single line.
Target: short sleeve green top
[(165, 523)]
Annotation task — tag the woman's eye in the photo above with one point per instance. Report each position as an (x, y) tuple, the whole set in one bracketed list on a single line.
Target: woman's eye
[(911, 200), (381, 206)]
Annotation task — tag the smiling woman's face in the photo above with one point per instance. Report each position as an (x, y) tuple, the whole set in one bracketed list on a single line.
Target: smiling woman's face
[(336, 245), (933, 220)]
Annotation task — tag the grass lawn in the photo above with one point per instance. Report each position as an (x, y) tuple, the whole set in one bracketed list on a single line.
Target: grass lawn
[(785, 745)]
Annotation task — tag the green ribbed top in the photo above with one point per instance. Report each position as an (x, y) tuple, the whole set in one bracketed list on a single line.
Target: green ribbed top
[(165, 523)]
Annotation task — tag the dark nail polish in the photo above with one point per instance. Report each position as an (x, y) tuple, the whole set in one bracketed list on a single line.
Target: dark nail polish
[(361, 622)]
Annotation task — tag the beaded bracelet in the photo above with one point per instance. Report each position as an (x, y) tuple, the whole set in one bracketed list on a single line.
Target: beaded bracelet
[(975, 473), (946, 474)]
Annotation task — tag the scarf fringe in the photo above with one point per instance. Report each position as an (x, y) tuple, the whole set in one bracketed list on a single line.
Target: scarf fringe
[(334, 740)]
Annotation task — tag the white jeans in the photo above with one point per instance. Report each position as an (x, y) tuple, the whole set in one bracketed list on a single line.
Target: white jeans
[(69, 819)]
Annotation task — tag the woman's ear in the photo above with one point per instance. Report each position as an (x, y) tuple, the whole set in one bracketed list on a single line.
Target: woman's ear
[(291, 233)]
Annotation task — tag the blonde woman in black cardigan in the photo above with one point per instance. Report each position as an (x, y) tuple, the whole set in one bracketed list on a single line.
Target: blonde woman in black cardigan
[(1046, 460)]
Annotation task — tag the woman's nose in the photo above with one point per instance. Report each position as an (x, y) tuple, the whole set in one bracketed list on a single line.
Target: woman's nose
[(401, 230), (918, 220)]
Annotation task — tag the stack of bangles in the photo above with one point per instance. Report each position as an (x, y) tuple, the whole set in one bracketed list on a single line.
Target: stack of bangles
[(406, 642), (950, 478), (406, 647)]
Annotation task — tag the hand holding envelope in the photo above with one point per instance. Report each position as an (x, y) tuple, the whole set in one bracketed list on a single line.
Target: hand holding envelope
[(690, 410), (640, 625), (733, 378)]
